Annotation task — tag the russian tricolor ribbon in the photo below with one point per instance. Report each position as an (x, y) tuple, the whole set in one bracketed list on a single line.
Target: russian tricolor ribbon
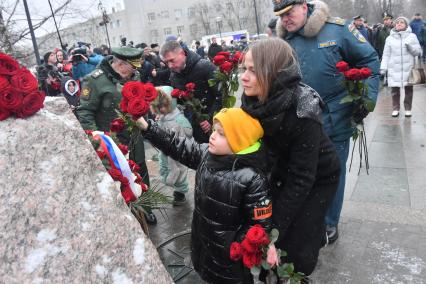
[(119, 162)]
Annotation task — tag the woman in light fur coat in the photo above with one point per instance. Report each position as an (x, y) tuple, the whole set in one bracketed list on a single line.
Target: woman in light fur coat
[(401, 48)]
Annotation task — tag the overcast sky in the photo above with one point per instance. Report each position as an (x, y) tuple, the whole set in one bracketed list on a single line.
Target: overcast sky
[(77, 11)]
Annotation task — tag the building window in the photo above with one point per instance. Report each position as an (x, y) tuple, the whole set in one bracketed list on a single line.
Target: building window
[(191, 12), (165, 14), (178, 13), (180, 30), (167, 31), (151, 17), (154, 33)]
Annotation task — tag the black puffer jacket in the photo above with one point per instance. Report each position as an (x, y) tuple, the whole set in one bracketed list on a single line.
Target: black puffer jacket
[(305, 168), (198, 71), (228, 189)]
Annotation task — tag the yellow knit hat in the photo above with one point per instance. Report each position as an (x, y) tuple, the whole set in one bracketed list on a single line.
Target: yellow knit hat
[(241, 130)]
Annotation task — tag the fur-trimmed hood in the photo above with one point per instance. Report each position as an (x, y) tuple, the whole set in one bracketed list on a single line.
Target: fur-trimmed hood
[(315, 22)]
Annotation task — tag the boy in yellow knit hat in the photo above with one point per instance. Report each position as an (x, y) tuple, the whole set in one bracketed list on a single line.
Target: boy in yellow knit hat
[(231, 190)]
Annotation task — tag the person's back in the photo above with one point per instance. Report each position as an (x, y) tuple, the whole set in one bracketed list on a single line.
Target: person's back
[(231, 192), (417, 25)]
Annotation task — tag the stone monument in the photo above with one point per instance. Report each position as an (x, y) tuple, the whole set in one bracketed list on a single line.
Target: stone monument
[(59, 217)]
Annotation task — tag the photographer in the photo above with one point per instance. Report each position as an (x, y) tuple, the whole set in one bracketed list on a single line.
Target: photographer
[(84, 61), (48, 75)]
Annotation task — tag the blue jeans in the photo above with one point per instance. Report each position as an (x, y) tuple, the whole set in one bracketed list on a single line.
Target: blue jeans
[(333, 212)]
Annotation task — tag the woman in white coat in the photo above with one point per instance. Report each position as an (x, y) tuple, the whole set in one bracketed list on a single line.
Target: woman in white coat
[(401, 48)]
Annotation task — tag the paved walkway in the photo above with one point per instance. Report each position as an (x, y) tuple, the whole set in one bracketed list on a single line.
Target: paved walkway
[(383, 225)]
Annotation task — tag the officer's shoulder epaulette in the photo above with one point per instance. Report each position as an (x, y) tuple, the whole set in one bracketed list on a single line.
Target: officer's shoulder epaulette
[(336, 20), (96, 73)]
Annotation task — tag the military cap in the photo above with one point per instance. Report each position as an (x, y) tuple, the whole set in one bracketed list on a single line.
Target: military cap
[(358, 17), (283, 6), (386, 16), (128, 54)]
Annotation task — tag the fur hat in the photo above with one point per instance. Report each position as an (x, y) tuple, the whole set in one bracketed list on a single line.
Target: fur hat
[(283, 6), (241, 130)]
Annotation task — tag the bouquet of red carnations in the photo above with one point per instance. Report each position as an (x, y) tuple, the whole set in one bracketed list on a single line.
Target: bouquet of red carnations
[(226, 77), (191, 103), (19, 94), (257, 251), (355, 83)]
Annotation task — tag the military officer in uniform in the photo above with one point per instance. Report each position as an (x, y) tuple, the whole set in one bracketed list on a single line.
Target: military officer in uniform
[(320, 41), (101, 96)]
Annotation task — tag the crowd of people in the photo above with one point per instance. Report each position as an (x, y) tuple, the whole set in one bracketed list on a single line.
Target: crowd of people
[(287, 145)]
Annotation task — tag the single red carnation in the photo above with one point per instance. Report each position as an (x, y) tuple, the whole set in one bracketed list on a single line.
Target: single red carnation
[(365, 72), (176, 93), (226, 67), (219, 60), (123, 148), (257, 235), (342, 66), (4, 83), (101, 154), (133, 166), (138, 179), (225, 54), (249, 247), (236, 251), (8, 65), (144, 187), (31, 104), (150, 92), (252, 259), (11, 99), (24, 81), (133, 89), (190, 87), (88, 132), (137, 108), (117, 125), (4, 113), (237, 57), (115, 174)]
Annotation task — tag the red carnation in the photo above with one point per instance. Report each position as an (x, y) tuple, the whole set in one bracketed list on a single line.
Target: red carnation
[(176, 93), (4, 83), (115, 174), (123, 148), (138, 179), (144, 187), (88, 132), (365, 72), (31, 104), (190, 87), (101, 154), (4, 113), (342, 66), (219, 60), (11, 99), (353, 74), (137, 108), (225, 54), (150, 92), (133, 89), (252, 259), (236, 251), (226, 67), (249, 247), (24, 81), (123, 104), (8, 65), (257, 235), (133, 166), (117, 125), (238, 56), (124, 181)]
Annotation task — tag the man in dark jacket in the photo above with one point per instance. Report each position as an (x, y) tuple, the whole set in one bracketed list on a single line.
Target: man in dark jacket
[(188, 67), (321, 41), (382, 33), (200, 49), (419, 28), (214, 49), (359, 24)]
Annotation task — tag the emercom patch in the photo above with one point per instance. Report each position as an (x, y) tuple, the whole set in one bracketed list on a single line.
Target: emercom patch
[(327, 43)]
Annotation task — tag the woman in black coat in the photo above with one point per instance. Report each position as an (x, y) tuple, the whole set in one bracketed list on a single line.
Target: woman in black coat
[(304, 167)]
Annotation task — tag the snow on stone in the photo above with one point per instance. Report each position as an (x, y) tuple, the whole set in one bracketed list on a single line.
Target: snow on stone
[(86, 205), (35, 259), (106, 259), (119, 277), (37, 280), (46, 235), (139, 251), (101, 270), (104, 185), (56, 117)]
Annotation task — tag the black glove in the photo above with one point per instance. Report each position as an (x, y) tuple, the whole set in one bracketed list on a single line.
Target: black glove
[(360, 112)]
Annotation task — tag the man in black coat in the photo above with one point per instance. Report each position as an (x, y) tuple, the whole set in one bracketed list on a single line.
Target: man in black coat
[(214, 49), (188, 67)]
